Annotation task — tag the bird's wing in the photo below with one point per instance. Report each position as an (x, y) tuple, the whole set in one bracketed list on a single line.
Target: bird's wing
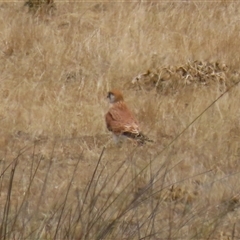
[(119, 120)]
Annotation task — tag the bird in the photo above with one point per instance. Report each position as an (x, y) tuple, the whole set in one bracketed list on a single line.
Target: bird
[(121, 121)]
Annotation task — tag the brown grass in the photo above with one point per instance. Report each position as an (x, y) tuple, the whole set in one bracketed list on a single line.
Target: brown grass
[(61, 175)]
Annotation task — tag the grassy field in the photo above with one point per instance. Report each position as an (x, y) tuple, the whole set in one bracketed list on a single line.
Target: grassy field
[(62, 176)]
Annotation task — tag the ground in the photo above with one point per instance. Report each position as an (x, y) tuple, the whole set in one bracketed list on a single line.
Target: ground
[(62, 175)]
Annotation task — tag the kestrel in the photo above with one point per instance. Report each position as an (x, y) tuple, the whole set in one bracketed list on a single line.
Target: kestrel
[(120, 120)]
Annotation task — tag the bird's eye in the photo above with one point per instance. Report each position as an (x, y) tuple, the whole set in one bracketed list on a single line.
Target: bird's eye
[(111, 97)]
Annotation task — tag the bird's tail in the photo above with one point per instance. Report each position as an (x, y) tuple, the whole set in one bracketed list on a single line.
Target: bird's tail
[(139, 137)]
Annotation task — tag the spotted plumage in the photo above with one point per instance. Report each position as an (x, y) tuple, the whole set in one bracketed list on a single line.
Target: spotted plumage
[(120, 120)]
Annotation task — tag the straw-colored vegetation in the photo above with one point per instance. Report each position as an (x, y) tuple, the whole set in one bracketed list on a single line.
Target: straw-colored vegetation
[(62, 177)]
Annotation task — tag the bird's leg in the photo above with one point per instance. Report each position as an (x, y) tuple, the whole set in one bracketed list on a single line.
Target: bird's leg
[(118, 139)]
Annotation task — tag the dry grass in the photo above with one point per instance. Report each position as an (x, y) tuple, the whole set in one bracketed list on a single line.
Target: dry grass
[(63, 178)]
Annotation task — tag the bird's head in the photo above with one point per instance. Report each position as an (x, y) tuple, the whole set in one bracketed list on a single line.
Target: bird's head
[(114, 96)]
